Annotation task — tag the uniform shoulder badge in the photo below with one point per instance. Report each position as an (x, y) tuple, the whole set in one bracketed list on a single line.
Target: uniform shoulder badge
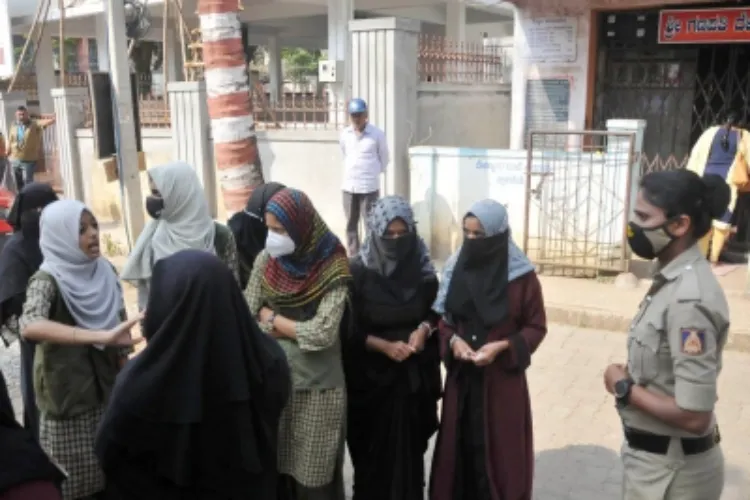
[(693, 341)]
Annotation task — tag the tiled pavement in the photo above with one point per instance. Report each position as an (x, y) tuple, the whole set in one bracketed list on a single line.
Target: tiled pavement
[(577, 432)]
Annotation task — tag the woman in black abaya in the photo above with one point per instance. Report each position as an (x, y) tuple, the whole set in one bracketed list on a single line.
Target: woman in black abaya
[(249, 228), (391, 359), (196, 414), (19, 260)]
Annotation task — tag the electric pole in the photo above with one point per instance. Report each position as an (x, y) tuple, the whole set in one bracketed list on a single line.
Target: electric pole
[(122, 93)]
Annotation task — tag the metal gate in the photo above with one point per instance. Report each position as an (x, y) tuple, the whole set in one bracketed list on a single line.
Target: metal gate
[(679, 91), (578, 197)]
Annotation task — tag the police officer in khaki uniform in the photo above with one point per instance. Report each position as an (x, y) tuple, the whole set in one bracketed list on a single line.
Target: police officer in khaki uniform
[(666, 393)]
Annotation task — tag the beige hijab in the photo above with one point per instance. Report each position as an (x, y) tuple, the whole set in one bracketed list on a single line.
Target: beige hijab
[(185, 222)]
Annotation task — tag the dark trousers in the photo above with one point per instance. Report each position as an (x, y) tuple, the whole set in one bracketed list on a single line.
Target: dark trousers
[(356, 205), (30, 412)]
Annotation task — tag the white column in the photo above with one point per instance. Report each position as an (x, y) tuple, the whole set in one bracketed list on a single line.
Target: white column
[(385, 75), (455, 20), (340, 13), (173, 69), (518, 83), (45, 74), (69, 110), (188, 105), (276, 83), (102, 54)]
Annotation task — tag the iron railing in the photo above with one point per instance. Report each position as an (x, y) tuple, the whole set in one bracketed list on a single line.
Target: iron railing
[(442, 60)]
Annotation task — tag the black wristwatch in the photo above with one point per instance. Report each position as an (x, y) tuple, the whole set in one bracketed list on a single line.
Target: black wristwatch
[(622, 392)]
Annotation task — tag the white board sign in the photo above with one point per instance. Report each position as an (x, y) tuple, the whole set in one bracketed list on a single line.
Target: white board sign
[(551, 39), (6, 41)]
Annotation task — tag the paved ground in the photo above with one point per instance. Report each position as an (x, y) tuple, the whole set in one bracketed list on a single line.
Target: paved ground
[(576, 429)]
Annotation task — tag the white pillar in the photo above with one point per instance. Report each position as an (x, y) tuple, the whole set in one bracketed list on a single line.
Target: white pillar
[(455, 20), (518, 83), (340, 13), (173, 69), (69, 110), (101, 42), (45, 75), (276, 83)]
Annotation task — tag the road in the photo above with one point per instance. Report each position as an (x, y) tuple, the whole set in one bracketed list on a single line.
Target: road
[(577, 433)]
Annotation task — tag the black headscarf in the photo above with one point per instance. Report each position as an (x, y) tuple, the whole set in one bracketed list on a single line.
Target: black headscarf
[(21, 256), (21, 458), (200, 406), (249, 227)]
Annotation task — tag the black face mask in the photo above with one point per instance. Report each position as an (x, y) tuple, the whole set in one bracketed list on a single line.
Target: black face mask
[(478, 251), (154, 206), (30, 224), (398, 248), (648, 243)]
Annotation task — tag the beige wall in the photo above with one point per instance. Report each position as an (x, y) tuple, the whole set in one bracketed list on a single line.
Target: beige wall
[(468, 116), (309, 160)]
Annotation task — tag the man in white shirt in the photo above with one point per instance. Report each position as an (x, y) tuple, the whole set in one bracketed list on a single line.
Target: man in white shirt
[(366, 156)]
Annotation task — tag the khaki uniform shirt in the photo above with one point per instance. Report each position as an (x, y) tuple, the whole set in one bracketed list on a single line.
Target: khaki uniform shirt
[(31, 146), (676, 340)]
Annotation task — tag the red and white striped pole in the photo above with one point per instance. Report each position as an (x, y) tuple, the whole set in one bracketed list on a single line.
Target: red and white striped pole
[(229, 103)]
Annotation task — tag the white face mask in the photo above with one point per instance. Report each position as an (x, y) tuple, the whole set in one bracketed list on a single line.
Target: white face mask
[(279, 245)]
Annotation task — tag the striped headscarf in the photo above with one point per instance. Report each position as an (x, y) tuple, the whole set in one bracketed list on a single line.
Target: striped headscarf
[(319, 261)]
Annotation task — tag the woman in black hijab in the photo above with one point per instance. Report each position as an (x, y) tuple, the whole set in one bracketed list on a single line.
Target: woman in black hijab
[(19, 260), (249, 228), (391, 358), (26, 473), (196, 414)]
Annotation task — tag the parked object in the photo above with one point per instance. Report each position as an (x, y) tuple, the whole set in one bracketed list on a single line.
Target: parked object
[(6, 201)]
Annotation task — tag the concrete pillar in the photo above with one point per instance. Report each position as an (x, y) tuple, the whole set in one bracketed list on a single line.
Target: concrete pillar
[(455, 20), (276, 84), (188, 105), (518, 83), (9, 102), (173, 68), (45, 75), (385, 75), (340, 14), (101, 42), (69, 110)]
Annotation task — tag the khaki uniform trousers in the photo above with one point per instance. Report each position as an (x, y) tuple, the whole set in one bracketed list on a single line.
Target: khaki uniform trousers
[(648, 476)]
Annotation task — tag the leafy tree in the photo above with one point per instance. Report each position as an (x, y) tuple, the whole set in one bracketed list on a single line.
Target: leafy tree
[(300, 64)]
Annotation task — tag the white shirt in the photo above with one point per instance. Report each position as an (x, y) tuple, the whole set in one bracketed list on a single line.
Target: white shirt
[(365, 158)]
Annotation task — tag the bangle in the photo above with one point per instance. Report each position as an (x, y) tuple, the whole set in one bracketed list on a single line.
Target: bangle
[(427, 327), (270, 320), (452, 340)]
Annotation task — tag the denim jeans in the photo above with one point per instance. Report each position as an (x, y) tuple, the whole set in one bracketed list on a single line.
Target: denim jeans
[(24, 172)]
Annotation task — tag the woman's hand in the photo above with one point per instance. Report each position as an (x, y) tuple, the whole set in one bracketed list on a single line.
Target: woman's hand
[(398, 351), (488, 352), (265, 314), (417, 338), (612, 374), (120, 335), (462, 351)]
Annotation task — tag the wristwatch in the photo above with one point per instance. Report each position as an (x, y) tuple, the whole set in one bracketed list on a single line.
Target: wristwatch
[(622, 392), (270, 320)]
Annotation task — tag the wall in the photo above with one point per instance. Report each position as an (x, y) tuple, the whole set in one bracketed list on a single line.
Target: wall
[(470, 116), (309, 160), (575, 71)]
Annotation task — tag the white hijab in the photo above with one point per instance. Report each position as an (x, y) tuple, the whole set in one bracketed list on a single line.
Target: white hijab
[(185, 222), (90, 288)]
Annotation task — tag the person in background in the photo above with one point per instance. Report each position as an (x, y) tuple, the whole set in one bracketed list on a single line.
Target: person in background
[(19, 260), (493, 321), (25, 141), (3, 159), (249, 228), (666, 393), (366, 156), (391, 360), (196, 413), (722, 150), (298, 290), (26, 473), (75, 312), (180, 220)]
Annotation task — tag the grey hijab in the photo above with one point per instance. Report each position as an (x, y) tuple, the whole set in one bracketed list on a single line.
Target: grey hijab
[(383, 212), (90, 288), (185, 222), (494, 219)]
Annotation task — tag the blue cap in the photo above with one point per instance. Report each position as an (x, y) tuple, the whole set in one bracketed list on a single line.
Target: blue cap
[(357, 106)]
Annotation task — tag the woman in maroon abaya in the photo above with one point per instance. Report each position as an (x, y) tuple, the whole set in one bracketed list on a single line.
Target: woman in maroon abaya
[(493, 321)]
